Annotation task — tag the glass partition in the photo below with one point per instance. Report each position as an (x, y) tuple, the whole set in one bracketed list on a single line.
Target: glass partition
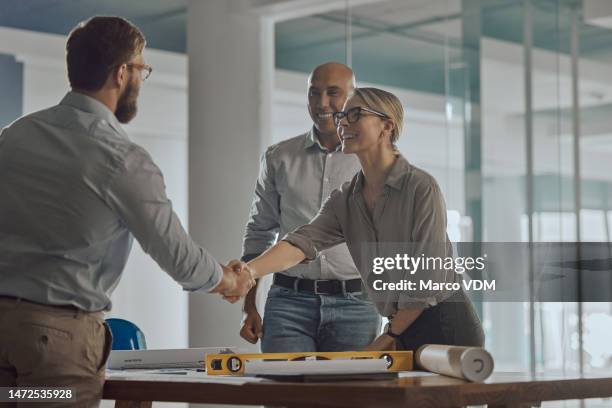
[(507, 105)]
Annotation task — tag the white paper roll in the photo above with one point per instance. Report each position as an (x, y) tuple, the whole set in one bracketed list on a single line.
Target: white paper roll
[(312, 367), (469, 363)]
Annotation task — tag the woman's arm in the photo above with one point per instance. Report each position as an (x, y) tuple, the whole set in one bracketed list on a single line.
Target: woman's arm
[(403, 319), (429, 237), (303, 244), (281, 256), (400, 322)]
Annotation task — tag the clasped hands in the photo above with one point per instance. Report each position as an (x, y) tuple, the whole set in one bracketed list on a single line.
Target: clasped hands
[(236, 282)]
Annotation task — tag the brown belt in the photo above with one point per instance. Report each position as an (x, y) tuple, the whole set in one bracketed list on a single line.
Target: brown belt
[(64, 307)]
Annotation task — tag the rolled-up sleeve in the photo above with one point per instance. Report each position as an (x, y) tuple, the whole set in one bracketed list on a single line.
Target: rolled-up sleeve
[(324, 230), (262, 228), (138, 194)]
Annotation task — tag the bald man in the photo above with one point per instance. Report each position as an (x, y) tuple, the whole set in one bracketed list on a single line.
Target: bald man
[(320, 306)]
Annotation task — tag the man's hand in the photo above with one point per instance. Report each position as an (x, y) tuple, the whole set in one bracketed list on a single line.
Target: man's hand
[(238, 267), (236, 282), (251, 328)]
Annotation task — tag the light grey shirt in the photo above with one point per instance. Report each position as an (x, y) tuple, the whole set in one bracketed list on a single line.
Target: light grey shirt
[(410, 210), (73, 190), (296, 177)]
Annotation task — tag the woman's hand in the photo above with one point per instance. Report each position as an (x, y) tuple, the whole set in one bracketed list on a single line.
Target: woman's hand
[(382, 342), (400, 322)]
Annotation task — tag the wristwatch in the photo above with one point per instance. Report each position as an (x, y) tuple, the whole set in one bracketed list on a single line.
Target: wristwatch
[(389, 333)]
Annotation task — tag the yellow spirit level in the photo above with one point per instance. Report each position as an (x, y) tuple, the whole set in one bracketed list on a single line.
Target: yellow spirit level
[(234, 364)]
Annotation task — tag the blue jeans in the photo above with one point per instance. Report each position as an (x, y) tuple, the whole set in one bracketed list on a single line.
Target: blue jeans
[(303, 322)]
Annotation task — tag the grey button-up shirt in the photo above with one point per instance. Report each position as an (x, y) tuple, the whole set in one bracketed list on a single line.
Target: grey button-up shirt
[(73, 190), (296, 177), (411, 210)]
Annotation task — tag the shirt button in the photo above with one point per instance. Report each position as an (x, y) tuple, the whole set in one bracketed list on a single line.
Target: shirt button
[(327, 179), (329, 155), (323, 257)]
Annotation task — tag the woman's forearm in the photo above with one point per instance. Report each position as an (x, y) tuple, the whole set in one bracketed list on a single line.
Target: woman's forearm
[(399, 323), (403, 319), (281, 256)]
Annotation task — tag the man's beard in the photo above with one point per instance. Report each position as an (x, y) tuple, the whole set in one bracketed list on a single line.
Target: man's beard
[(127, 106)]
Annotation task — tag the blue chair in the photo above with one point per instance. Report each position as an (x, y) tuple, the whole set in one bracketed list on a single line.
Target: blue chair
[(126, 335)]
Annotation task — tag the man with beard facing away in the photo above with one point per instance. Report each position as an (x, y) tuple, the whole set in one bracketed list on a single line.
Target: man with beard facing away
[(74, 190)]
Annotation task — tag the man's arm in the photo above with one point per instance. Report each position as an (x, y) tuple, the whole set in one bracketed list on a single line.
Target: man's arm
[(252, 327), (264, 218), (260, 233), (250, 301), (138, 194)]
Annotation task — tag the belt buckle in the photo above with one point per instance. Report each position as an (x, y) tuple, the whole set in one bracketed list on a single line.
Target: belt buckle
[(316, 287)]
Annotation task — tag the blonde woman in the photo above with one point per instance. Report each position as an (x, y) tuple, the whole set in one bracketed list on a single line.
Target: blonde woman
[(388, 201)]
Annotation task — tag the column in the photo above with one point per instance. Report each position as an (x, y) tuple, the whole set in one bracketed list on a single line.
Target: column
[(231, 68)]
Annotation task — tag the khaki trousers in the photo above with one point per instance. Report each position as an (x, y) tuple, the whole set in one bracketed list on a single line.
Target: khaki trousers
[(50, 346)]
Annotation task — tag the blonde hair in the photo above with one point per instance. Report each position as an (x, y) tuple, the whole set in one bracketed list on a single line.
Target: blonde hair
[(387, 103)]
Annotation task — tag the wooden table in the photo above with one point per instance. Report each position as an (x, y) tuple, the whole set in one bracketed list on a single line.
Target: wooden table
[(501, 390)]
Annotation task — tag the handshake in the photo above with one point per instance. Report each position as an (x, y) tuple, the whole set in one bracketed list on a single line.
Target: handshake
[(236, 282)]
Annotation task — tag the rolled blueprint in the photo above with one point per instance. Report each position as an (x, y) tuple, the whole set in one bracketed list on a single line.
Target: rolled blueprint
[(313, 367), (469, 363)]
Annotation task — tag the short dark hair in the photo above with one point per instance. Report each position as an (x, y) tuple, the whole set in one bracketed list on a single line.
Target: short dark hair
[(97, 46)]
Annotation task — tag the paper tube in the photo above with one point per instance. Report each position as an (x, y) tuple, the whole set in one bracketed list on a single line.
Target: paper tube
[(313, 367), (469, 363)]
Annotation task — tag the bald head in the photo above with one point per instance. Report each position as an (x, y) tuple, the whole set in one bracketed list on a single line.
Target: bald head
[(334, 70), (329, 85)]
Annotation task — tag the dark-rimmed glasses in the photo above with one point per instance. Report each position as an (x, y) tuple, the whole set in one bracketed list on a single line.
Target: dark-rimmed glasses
[(144, 69), (354, 114)]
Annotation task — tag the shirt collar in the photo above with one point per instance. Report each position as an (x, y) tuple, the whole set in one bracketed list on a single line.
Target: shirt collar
[(400, 171), (91, 105), (311, 139)]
